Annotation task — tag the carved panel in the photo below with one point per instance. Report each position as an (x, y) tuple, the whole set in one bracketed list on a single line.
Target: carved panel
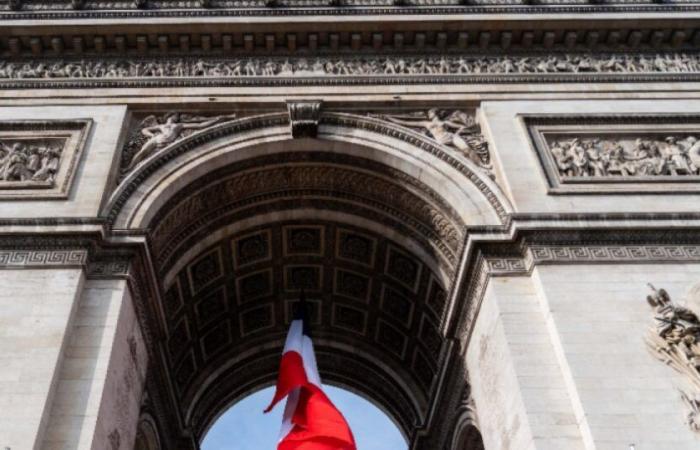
[(352, 285), (396, 306), (172, 300), (255, 285), (313, 310), (303, 277), (211, 307), (423, 369), (205, 270), (598, 154), (403, 268), (355, 247), (39, 158), (349, 318), (391, 338), (303, 240), (257, 319), (216, 339), (437, 298), (251, 249)]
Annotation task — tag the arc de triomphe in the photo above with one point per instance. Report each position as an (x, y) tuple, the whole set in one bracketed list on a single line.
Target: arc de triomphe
[(477, 196)]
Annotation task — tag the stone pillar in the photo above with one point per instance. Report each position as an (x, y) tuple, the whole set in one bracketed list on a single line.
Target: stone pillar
[(597, 319), (557, 360), (38, 308), (102, 377), (518, 387)]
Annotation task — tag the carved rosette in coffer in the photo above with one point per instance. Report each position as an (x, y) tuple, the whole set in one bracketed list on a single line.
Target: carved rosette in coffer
[(618, 153), (38, 158)]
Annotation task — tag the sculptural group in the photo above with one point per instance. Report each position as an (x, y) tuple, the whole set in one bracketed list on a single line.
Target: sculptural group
[(596, 157), (354, 66)]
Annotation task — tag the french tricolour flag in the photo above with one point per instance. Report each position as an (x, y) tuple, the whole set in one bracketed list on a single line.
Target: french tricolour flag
[(310, 420)]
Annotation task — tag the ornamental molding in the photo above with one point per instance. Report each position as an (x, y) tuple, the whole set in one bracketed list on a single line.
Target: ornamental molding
[(675, 340), (618, 153), (134, 175), (501, 261), (453, 68), (16, 259), (90, 9), (39, 158)]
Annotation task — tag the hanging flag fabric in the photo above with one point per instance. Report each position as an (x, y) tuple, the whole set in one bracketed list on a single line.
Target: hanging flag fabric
[(310, 421)]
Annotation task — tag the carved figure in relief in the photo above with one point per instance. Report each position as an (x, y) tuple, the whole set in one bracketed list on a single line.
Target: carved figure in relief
[(33, 161), (596, 157), (338, 66), (159, 133), (675, 340), (455, 129)]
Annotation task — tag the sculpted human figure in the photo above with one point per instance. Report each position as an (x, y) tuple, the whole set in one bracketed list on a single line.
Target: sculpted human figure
[(458, 130), (15, 163), (676, 156), (50, 159), (160, 135)]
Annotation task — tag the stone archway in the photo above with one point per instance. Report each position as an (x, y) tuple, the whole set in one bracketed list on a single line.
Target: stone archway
[(369, 218)]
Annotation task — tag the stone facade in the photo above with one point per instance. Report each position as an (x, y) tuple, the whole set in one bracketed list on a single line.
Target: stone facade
[(475, 196)]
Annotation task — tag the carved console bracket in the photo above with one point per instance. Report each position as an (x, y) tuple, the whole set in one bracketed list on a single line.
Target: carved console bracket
[(304, 117), (622, 153), (675, 340)]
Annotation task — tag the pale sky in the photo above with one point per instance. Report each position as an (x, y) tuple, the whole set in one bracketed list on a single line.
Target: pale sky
[(245, 427)]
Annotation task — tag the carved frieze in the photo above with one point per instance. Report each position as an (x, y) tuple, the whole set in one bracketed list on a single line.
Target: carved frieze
[(38, 158), (455, 129), (618, 153), (264, 70), (675, 340)]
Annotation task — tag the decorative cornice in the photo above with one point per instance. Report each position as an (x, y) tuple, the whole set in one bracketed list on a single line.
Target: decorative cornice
[(32, 9)]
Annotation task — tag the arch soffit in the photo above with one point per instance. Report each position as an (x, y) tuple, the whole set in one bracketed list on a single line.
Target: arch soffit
[(466, 188), (380, 306)]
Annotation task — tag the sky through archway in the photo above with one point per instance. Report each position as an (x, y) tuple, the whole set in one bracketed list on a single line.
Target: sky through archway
[(245, 427)]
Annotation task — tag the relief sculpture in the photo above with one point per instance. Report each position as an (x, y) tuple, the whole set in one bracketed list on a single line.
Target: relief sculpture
[(675, 340), (596, 157), (356, 66), (455, 129), (156, 132), (29, 161)]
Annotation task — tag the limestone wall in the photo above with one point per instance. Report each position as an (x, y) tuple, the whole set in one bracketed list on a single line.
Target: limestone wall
[(37, 311), (101, 378), (559, 361), (518, 386), (94, 169)]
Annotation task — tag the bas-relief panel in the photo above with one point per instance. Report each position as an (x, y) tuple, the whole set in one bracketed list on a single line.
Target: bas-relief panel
[(38, 158), (536, 66), (602, 154)]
